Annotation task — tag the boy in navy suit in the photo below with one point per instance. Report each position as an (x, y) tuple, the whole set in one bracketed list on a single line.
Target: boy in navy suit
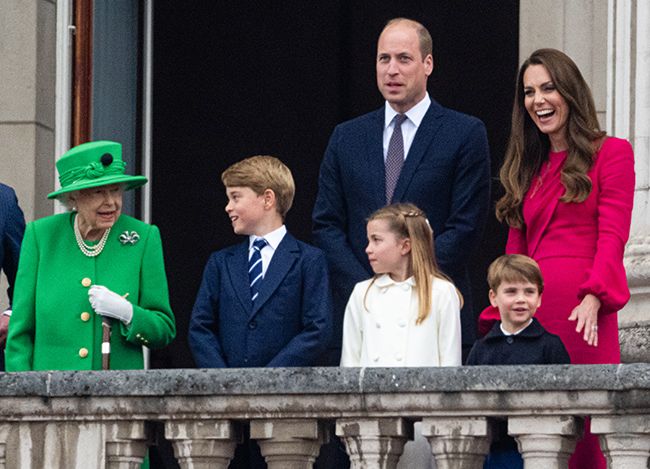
[(266, 301)]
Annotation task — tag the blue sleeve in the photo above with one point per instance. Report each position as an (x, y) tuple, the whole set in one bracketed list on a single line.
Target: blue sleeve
[(469, 202), (330, 219), (12, 238), (203, 330), (556, 353)]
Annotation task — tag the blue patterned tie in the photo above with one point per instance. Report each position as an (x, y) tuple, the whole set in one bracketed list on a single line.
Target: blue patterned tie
[(255, 267), (394, 157)]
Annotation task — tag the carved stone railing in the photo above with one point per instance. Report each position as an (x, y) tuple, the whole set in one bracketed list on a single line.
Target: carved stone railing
[(105, 419)]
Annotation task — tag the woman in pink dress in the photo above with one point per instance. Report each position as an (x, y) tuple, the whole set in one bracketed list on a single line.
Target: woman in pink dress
[(568, 202)]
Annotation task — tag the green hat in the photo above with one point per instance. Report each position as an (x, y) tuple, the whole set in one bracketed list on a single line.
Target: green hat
[(94, 164)]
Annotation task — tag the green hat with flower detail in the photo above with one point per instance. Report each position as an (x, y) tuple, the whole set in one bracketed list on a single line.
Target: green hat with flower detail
[(94, 164)]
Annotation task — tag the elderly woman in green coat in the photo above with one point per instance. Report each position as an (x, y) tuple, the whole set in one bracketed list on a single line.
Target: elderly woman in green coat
[(89, 267)]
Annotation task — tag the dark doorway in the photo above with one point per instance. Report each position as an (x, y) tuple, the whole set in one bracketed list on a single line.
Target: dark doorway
[(235, 79)]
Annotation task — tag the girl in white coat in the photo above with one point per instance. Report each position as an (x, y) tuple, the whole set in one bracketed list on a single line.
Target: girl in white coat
[(408, 314)]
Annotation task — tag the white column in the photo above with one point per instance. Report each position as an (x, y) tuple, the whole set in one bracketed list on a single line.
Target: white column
[(375, 443), (458, 443), (545, 442), (625, 439), (126, 444), (4, 432), (289, 443), (628, 116), (203, 444)]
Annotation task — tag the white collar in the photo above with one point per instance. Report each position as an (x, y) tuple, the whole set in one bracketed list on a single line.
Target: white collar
[(415, 114), (272, 239), (384, 280), (530, 321)]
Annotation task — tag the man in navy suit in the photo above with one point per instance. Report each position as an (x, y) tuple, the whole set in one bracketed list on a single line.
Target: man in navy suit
[(443, 168), (12, 228)]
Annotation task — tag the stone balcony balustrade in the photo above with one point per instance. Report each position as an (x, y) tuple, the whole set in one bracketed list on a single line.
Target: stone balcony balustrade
[(107, 419)]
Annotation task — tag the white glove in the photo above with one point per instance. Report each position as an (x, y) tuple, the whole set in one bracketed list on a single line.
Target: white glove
[(108, 303)]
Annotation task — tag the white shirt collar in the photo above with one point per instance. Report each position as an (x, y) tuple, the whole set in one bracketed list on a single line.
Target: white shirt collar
[(272, 239), (415, 114), (517, 331)]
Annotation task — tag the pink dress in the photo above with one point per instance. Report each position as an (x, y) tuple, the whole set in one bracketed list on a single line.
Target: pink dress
[(579, 248)]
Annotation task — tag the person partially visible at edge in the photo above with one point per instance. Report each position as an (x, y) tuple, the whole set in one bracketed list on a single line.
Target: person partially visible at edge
[(12, 228), (568, 199), (410, 150), (516, 287), (90, 263)]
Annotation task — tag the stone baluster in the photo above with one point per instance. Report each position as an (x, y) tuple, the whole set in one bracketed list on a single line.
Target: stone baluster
[(203, 444), (545, 442), (126, 444), (374, 442), (458, 443), (625, 439), (4, 432), (289, 443)]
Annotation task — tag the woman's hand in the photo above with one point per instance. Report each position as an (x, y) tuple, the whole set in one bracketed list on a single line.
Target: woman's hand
[(110, 304), (586, 313)]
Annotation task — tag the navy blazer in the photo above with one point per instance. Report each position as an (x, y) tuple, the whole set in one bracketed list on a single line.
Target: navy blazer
[(12, 228), (289, 324), (446, 174)]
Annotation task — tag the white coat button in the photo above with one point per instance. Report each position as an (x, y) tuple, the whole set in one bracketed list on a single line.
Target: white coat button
[(375, 359), (398, 357), (378, 325), (402, 323), (405, 286), (384, 290)]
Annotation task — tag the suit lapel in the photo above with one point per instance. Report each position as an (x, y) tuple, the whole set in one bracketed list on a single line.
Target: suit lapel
[(423, 138), (237, 267), (281, 262), (375, 165)]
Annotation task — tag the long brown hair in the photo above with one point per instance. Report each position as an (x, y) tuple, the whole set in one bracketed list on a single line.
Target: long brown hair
[(528, 147), (408, 221)]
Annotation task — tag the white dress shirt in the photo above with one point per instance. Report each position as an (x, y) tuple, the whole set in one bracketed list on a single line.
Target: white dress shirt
[(272, 242), (409, 126)]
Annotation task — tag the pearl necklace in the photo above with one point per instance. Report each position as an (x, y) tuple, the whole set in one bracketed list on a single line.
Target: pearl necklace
[(90, 251)]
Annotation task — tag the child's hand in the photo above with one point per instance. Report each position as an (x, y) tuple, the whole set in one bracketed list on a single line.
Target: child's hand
[(586, 313)]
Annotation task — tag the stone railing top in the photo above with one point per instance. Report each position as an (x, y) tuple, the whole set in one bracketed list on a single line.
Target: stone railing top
[(292, 381)]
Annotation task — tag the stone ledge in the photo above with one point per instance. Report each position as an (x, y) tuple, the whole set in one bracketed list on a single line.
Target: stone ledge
[(305, 381)]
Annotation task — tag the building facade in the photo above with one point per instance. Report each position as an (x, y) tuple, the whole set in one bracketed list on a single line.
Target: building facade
[(609, 40)]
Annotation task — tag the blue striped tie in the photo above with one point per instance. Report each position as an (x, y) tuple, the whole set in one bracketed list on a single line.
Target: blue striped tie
[(255, 267)]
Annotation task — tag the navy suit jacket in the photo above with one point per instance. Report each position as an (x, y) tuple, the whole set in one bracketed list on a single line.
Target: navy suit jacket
[(12, 228), (289, 324), (446, 173)]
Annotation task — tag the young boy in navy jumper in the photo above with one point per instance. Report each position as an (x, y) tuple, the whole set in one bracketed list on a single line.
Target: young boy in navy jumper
[(516, 287)]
